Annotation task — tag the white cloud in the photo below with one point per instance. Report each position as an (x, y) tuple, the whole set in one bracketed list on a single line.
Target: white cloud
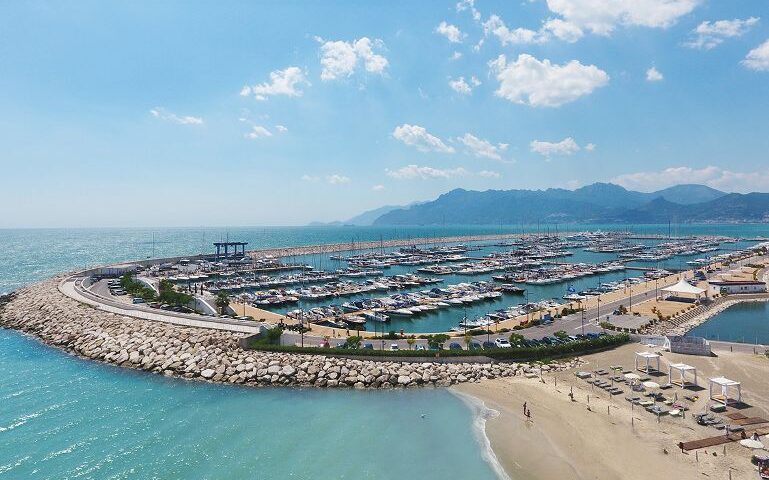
[(567, 146), (488, 174), (456, 55), (563, 30), (418, 137), (463, 5), (310, 178), (758, 58), (378, 188), (482, 148), (281, 128), (494, 25), (282, 82), (529, 81), (258, 131), (712, 176), (459, 85), (337, 179), (708, 34), (653, 75), (163, 114), (553, 27), (590, 147), (341, 59), (602, 17), (451, 32), (411, 172)]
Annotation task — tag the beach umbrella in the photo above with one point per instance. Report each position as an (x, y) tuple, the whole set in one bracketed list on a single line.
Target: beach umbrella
[(750, 443), (632, 376), (651, 385)]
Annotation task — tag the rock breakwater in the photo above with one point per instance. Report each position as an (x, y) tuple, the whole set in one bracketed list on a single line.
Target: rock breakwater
[(44, 312)]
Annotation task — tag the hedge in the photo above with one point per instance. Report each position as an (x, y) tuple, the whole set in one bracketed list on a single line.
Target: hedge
[(515, 353)]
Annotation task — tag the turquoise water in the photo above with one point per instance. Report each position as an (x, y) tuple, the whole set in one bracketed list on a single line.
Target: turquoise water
[(744, 322), (62, 417)]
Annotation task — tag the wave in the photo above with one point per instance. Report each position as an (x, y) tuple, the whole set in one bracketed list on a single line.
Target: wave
[(481, 413)]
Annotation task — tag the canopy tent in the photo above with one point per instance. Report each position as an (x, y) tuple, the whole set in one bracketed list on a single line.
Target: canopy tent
[(683, 288), (725, 384), (647, 356), (682, 369)]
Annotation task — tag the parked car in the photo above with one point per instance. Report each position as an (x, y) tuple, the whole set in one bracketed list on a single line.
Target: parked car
[(475, 346), (489, 345), (420, 346), (455, 346), (394, 347), (368, 346), (502, 343)]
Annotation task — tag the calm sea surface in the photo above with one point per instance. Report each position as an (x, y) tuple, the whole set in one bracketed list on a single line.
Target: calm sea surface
[(744, 322), (61, 417)]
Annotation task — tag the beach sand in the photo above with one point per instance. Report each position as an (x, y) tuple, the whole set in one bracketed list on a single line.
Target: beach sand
[(566, 440)]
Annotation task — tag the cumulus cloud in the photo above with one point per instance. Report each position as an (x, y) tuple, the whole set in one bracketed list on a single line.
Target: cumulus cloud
[(258, 131), (459, 85), (653, 75), (456, 55), (419, 138), (590, 147), (488, 174), (165, 115), (451, 32), (758, 58), (412, 172), (529, 81), (281, 128), (341, 59), (378, 188), (712, 176), (563, 30), (482, 148), (282, 82), (337, 179), (567, 146), (709, 35), (602, 17)]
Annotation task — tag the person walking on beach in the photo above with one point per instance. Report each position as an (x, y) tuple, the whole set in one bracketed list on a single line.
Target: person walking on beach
[(524, 408)]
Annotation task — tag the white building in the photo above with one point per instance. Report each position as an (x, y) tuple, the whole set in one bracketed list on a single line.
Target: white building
[(736, 286)]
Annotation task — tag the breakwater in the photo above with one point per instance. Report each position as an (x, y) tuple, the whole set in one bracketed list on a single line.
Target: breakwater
[(43, 311)]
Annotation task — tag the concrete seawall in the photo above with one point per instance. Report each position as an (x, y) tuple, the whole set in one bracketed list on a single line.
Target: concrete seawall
[(43, 311)]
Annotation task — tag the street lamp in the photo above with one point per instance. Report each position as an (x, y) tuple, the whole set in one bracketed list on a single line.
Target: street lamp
[(301, 325)]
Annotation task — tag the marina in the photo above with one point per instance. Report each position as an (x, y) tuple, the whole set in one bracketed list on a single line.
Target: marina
[(442, 286)]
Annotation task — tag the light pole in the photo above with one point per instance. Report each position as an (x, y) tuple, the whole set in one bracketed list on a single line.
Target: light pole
[(598, 312), (301, 326)]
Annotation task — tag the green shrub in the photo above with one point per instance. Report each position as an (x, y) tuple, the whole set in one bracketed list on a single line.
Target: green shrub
[(515, 353)]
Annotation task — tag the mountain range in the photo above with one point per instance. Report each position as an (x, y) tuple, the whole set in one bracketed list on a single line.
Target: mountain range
[(596, 203)]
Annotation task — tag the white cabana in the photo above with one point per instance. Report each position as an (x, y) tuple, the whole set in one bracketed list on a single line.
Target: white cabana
[(726, 385), (684, 288), (682, 369), (647, 357)]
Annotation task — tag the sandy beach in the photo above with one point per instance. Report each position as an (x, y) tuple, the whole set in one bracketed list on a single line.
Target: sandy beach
[(566, 439)]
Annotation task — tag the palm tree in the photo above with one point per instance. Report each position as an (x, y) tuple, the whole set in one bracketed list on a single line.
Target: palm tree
[(222, 302), (411, 341), (468, 339)]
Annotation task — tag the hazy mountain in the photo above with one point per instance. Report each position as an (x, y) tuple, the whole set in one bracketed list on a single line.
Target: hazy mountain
[(689, 194), (597, 203), (367, 217)]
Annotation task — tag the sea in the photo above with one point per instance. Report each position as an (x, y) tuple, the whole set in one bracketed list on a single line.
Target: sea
[(64, 418)]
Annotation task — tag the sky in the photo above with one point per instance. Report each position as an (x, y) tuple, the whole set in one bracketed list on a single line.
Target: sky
[(148, 113)]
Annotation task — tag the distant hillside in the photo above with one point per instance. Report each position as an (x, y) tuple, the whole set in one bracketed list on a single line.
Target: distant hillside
[(689, 194), (596, 203), (366, 218)]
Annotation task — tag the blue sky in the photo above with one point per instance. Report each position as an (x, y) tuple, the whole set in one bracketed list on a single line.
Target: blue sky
[(196, 113)]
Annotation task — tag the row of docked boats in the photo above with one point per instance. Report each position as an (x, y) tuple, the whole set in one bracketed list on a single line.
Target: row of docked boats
[(558, 273)]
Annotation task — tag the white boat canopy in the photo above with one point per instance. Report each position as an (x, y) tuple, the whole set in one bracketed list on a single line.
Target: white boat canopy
[(682, 369), (726, 385), (646, 356), (683, 287)]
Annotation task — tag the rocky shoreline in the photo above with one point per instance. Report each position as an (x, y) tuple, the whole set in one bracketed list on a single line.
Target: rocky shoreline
[(43, 311)]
